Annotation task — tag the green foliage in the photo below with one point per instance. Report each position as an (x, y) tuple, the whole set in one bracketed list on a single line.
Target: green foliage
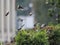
[(30, 37), (54, 37), (57, 27), (57, 37), (52, 2), (50, 12), (40, 37), (58, 3)]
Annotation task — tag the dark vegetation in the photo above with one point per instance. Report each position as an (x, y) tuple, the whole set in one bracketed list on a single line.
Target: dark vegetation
[(46, 12), (48, 35)]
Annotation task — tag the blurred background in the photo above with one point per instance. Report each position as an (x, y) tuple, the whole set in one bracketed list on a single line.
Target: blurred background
[(38, 11)]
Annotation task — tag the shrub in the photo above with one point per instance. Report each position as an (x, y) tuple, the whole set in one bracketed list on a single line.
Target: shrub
[(57, 27), (31, 37), (40, 37), (54, 37)]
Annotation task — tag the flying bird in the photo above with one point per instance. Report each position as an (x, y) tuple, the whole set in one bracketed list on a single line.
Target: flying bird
[(43, 25), (35, 24), (21, 27), (6, 13), (30, 13), (19, 7)]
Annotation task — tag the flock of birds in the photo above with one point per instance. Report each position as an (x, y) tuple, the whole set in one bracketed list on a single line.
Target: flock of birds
[(18, 7), (30, 14)]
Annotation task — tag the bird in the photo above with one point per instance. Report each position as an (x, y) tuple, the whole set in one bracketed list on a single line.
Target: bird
[(30, 13), (21, 27), (21, 20), (35, 24), (6, 13), (43, 25), (19, 7)]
